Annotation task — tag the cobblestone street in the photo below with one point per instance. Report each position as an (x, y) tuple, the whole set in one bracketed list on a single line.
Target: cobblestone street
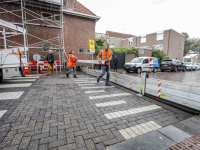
[(40, 112)]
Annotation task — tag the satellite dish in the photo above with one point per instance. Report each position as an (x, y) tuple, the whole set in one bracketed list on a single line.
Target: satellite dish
[(36, 57)]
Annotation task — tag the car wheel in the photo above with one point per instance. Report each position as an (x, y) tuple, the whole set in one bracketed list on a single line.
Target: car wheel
[(162, 70), (139, 70), (175, 69), (155, 70), (127, 71), (184, 69), (172, 70)]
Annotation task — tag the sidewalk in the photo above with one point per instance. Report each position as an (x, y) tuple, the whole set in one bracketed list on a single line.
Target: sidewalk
[(58, 113)]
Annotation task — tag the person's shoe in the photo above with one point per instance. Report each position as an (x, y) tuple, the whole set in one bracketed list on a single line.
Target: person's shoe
[(98, 80), (48, 74), (23, 75), (75, 76), (107, 84), (67, 75)]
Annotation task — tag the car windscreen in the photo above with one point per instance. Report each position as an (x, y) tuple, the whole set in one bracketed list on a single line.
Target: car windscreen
[(166, 61), (187, 63), (137, 60)]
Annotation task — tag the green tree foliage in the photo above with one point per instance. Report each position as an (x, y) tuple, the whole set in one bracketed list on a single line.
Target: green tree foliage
[(132, 50), (191, 44), (99, 45), (159, 54)]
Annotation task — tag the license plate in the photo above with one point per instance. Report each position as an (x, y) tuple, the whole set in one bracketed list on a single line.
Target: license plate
[(165, 65), (127, 67)]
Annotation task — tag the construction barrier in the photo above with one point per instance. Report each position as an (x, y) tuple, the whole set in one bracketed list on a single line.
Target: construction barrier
[(185, 95)]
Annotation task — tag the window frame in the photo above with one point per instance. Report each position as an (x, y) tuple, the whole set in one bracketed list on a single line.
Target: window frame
[(79, 51), (143, 37), (159, 45), (157, 35), (130, 41), (43, 18), (56, 16), (144, 60), (49, 48)]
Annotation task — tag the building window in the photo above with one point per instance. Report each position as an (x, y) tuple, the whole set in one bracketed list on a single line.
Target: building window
[(47, 16), (57, 18), (130, 41), (143, 39), (141, 51), (160, 47), (81, 51), (112, 46), (160, 35), (70, 5), (47, 47), (88, 51)]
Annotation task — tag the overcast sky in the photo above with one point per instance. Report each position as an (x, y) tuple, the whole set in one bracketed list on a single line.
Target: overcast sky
[(139, 17)]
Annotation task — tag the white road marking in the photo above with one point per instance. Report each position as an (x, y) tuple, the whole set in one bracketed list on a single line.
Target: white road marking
[(137, 110), (10, 95), (2, 112), (100, 91), (138, 130), (82, 82), (24, 80), (111, 95), (15, 85), (85, 84), (110, 103), (98, 87), (26, 77)]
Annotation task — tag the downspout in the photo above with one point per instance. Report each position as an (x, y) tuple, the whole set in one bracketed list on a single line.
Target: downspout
[(168, 44)]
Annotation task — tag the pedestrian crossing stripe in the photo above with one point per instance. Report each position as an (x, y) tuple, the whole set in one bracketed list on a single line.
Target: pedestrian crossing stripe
[(2, 112), (110, 103), (110, 95)]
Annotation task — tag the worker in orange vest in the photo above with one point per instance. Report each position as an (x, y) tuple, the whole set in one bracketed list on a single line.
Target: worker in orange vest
[(71, 64), (106, 56)]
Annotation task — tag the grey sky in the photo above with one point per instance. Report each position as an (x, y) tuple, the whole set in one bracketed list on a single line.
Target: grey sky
[(140, 17)]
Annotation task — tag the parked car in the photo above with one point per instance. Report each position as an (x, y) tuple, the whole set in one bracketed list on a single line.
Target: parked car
[(140, 64), (197, 66), (172, 65), (190, 66)]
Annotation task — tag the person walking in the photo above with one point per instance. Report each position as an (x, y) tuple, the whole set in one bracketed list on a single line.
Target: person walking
[(105, 55), (50, 58), (115, 60), (71, 64)]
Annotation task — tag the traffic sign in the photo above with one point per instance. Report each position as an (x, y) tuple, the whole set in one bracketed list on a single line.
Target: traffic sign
[(92, 44), (92, 51), (36, 57)]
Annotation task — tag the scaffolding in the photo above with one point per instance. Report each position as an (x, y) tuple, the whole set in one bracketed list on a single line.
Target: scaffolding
[(30, 18)]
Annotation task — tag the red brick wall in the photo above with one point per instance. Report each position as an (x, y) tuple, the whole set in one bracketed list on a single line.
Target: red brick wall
[(77, 31)]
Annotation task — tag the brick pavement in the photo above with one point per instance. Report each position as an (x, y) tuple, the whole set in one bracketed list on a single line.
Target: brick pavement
[(57, 113)]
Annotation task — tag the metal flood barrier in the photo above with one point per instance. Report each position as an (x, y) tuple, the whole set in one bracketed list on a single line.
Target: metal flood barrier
[(178, 93)]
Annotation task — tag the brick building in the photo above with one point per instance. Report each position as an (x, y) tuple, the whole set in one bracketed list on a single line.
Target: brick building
[(170, 41), (43, 21)]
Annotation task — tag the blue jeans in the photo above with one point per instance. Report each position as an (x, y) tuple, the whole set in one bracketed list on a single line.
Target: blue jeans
[(115, 66), (105, 69), (72, 69)]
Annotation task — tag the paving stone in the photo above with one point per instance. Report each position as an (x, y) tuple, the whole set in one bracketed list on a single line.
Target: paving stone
[(90, 128), (61, 134), (57, 143), (5, 144), (67, 147), (100, 146), (99, 131), (43, 147), (17, 139), (48, 139), (100, 139), (90, 144), (110, 142), (70, 138), (10, 135), (53, 131), (90, 135), (14, 147), (25, 142), (72, 129), (31, 133), (33, 145), (39, 136), (79, 142)]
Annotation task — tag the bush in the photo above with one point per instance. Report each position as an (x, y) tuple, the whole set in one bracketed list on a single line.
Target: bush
[(131, 50), (159, 54)]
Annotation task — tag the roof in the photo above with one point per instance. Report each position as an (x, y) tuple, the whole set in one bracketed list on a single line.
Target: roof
[(119, 35)]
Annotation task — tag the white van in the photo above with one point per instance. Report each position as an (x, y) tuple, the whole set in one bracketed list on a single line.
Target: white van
[(140, 64)]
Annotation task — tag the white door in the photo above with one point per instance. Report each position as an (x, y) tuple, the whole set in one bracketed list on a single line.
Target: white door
[(145, 64)]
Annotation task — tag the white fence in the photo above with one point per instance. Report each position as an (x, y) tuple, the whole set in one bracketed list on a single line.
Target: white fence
[(186, 95)]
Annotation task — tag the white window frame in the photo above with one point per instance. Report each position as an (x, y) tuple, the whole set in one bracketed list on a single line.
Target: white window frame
[(158, 36), (88, 51), (112, 46), (48, 49), (43, 18), (159, 45), (143, 39), (59, 16), (141, 51), (130, 41), (83, 51)]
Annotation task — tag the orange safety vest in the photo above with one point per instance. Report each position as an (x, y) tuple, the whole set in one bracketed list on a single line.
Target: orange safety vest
[(16, 53), (105, 54), (72, 60)]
